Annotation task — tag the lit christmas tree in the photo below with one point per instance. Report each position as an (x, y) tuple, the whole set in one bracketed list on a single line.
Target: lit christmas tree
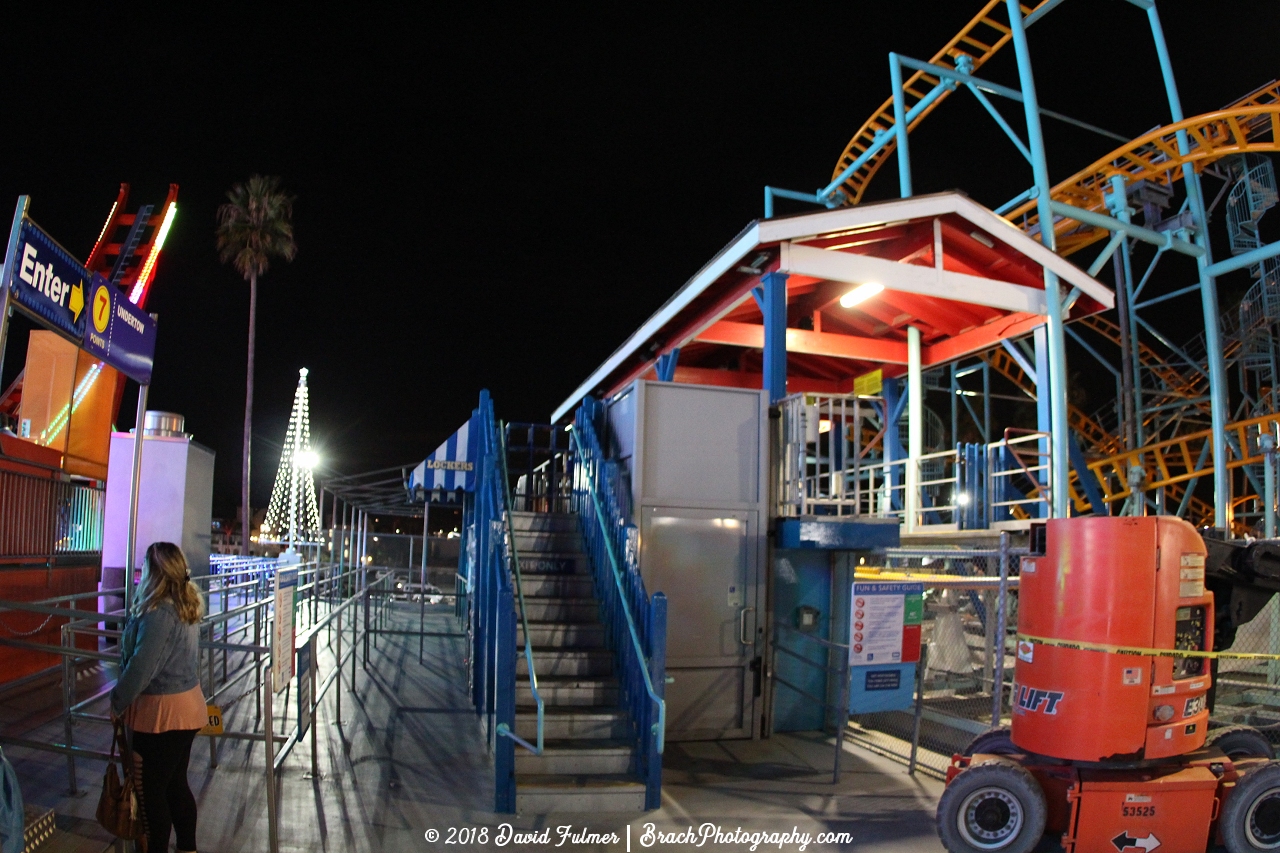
[(293, 515)]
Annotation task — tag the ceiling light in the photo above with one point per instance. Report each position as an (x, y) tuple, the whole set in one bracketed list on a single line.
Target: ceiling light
[(861, 293)]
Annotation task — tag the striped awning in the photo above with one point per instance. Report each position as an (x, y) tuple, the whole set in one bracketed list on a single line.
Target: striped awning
[(451, 466)]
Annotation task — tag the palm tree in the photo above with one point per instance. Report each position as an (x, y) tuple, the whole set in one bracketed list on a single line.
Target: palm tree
[(254, 225)]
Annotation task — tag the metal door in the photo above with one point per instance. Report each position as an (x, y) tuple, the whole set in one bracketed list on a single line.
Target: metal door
[(705, 560)]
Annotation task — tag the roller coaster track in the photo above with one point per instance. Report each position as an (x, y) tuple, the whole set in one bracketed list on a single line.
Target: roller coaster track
[(1098, 437), (1251, 124), (1173, 463), (980, 40)]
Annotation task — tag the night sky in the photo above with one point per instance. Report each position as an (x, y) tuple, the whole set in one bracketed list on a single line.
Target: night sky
[(489, 197)]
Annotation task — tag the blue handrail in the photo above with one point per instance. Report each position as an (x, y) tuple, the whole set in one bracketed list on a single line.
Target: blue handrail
[(491, 608), (602, 529), (514, 556)]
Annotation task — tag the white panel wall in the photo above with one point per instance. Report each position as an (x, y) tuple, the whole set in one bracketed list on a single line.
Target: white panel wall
[(175, 501)]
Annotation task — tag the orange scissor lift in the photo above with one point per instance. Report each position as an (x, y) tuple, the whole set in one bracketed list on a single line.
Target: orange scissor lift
[(1109, 743)]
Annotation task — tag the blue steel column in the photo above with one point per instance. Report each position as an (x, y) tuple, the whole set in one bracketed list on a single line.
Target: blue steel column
[(773, 305), (1058, 461), (1208, 291), (900, 125)]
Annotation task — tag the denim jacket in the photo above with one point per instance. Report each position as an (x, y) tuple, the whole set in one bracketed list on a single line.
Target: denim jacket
[(159, 653)]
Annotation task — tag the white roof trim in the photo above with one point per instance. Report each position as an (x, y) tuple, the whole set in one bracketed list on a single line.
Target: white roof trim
[(792, 228)]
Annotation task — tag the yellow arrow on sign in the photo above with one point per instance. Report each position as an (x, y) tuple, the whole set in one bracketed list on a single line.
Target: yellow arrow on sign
[(76, 301)]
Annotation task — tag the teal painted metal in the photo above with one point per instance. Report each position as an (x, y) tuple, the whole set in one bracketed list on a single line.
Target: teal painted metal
[(1248, 259), (828, 193), (770, 193), (999, 119), (1025, 195), (1208, 286), (900, 125), (1057, 344), (1156, 238), (635, 623), (959, 75)]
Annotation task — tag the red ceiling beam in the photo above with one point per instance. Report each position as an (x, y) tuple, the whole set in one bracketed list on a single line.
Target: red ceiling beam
[(812, 343), (740, 379), (979, 339)]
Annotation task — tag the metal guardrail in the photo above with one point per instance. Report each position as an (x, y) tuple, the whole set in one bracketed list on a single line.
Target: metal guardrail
[(519, 585), (244, 612), (492, 612), (833, 449), (611, 542)]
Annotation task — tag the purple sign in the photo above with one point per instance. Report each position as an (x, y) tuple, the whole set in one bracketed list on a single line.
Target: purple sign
[(119, 332)]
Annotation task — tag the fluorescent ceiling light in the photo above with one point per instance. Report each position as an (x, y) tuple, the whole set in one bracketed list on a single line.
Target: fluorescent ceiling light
[(861, 293)]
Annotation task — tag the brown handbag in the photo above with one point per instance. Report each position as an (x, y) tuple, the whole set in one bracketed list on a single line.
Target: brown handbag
[(120, 805)]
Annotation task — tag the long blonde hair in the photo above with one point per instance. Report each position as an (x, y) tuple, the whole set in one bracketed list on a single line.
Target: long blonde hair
[(165, 576)]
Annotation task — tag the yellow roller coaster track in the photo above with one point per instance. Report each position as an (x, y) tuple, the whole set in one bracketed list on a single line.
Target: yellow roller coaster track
[(1172, 464), (980, 40), (1251, 125), (1097, 436)]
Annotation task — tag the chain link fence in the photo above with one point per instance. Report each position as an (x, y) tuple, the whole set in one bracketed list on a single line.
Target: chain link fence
[(1248, 692), (966, 667)]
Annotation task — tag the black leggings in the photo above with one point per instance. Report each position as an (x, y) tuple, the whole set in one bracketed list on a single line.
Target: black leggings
[(166, 797)]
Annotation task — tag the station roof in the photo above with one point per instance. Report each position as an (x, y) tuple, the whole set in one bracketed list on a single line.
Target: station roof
[(963, 275)]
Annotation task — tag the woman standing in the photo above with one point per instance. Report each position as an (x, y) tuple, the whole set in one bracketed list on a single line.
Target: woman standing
[(158, 693)]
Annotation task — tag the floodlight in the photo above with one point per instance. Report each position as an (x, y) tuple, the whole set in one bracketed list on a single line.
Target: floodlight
[(861, 293)]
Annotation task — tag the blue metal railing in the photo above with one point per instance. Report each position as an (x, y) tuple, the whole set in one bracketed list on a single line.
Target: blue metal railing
[(635, 624), (490, 559), (524, 618)]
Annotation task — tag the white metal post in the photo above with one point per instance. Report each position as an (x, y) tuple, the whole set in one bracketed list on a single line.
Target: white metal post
[(915, 427), (131, 540)]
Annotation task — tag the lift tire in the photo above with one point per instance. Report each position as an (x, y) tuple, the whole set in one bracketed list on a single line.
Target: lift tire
[(994, 742), (1251, 818), (995, 805), (1241, 742)]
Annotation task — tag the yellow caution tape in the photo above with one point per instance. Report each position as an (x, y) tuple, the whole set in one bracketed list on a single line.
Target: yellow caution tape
[(871, 573), (1141, 651)]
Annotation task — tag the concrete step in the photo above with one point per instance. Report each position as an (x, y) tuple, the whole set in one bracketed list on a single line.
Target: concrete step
[(557, 586), (539, 609), (567, 691), (544, 521), (551, 662), (561, 635), (576, 757), (579, 794), (574, 724), (541, 541), (554, 563)]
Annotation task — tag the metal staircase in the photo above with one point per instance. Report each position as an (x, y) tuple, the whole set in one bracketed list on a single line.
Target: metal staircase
[(1253, 194), (588, 761)]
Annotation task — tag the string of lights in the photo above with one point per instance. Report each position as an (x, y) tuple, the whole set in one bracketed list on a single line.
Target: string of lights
[(293, 515)]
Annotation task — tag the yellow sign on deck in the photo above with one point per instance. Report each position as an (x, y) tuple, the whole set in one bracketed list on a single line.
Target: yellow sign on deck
[(215, 721), (869, 384)]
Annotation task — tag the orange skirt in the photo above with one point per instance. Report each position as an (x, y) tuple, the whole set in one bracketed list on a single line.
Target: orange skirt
[(167, 712)]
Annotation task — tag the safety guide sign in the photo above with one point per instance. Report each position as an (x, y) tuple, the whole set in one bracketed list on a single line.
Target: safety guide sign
[(884, 627), (283, 634)]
